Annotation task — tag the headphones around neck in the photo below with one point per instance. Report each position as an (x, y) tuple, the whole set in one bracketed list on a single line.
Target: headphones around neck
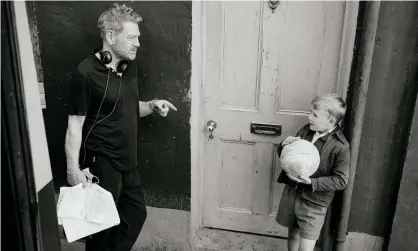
[(121, 66), (106, 58)]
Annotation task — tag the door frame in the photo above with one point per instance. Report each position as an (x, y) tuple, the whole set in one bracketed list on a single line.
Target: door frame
[(28, 168), (197, 119)]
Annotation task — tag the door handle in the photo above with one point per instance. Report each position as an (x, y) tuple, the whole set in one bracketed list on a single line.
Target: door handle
[(266, 129), (211, 126)]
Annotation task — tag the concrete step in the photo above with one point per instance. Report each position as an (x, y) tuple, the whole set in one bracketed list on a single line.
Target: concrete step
[(221, 240), (214, 239)]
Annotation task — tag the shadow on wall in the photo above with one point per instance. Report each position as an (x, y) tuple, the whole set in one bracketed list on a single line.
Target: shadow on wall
[(68, 32)]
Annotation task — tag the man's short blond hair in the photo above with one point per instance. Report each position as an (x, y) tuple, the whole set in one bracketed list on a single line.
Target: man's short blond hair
[(331, 103), (113, 18)]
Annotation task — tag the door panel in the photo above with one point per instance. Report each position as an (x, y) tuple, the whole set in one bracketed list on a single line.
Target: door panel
[(241, 26)]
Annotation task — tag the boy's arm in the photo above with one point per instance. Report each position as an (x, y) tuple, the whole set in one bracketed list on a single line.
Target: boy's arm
[(339, 176)]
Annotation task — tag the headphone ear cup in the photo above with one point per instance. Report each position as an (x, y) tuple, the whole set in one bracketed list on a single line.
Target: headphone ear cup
[(122, 66), (106, 57)]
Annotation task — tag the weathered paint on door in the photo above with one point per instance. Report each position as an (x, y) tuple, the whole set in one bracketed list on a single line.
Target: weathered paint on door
[(264, 67)]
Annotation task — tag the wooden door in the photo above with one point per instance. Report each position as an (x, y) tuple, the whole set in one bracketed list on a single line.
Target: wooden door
[(263, 67)]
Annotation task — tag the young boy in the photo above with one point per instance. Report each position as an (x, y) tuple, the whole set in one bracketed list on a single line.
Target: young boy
[(305, 200)]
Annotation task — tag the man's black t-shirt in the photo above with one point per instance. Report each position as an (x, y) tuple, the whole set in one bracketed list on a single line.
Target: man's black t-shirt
[(113, 134)]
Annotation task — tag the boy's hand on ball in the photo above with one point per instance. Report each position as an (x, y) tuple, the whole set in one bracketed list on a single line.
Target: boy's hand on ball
[(305, 180), (289, 140), (294, 178), (300, 179)]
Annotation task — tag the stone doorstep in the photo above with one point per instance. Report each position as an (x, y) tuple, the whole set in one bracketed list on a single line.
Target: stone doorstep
[(221, 240), (214, 239)]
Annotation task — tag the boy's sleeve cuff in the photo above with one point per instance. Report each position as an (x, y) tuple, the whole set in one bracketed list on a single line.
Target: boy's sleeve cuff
[(314, 185)]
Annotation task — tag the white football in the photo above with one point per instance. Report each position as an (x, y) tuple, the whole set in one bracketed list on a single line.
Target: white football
[(301, 157)]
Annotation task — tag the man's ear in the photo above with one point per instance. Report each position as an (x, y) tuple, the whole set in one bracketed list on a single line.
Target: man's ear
[(110, 38)]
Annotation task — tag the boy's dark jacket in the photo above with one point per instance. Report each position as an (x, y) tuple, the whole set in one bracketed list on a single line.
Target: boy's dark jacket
[(333, 170)]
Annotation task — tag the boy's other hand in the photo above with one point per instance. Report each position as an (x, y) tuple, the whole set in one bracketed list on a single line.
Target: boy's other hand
[(289, 140), (300, 179), (294, 178), (305, 180)]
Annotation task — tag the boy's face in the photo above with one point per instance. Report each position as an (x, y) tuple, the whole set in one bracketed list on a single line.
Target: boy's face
[(320, 120)]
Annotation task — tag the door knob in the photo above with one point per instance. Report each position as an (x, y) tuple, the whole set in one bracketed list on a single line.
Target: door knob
[(211, 126)]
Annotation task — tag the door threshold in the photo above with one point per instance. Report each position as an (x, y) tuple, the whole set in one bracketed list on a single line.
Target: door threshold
[(209, 239)]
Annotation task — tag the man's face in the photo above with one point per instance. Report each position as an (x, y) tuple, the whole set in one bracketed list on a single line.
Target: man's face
[(319, 120), (126, 42)]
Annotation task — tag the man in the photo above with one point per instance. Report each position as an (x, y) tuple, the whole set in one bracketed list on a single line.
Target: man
[(103, 125)]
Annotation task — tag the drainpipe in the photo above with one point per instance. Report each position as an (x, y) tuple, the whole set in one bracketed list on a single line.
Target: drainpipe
[(360, 81), (353, 127)]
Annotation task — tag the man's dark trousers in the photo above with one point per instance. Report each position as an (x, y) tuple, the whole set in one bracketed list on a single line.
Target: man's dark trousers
[(125, 186)]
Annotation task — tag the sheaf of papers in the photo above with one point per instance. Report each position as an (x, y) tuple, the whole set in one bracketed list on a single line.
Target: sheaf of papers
[(85, 211)]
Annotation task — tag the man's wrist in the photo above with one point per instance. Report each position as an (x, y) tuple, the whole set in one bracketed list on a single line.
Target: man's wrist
[(151, 105), (73, 168), (312, 185)]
